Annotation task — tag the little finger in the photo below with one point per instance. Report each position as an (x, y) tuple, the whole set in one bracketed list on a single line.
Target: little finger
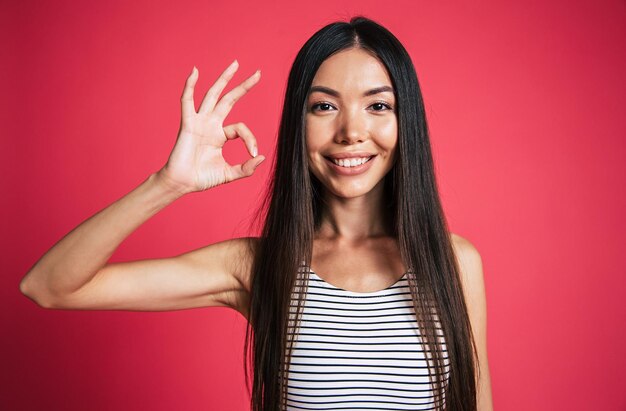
[(186, 100)]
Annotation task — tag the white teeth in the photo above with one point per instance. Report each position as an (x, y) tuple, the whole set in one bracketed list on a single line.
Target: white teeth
[(351, 162)]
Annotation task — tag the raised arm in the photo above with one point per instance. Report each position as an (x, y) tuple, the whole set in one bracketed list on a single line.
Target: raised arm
[(74, 273)]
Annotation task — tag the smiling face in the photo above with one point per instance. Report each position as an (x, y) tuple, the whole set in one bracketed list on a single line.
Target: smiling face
[(351, 124)]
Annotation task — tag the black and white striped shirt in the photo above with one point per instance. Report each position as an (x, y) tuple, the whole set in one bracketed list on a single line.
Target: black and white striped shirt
[(358, 351)]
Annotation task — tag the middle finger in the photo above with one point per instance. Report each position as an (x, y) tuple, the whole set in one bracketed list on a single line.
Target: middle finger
[(229, 99), (208, 103)]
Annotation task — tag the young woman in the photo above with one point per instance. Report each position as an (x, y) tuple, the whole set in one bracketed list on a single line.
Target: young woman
[(357, 295)]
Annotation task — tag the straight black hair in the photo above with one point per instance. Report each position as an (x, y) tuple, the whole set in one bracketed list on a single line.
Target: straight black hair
[(292, 210)]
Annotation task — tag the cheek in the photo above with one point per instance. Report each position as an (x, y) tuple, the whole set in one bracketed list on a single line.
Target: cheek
[(309, 134), (311, 147), (388, 134), (311, 154), (314, 138)]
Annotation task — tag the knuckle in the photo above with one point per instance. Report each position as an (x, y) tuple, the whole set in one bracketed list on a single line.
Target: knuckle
[(219, 84)]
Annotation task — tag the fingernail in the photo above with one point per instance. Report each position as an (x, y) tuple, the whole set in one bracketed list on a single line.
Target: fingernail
[(234, 62), (254, 152), (193, 70)]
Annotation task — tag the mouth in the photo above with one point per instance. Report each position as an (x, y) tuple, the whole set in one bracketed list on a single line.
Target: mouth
[(350, 166), (350, 162)]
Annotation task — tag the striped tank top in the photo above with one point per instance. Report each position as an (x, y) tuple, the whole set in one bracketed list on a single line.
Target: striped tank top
[(358, 351)]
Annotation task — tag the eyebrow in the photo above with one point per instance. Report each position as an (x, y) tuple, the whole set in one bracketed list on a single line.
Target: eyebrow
[(335, 93)]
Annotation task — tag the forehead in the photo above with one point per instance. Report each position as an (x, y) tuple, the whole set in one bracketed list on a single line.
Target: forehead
[(352, 69)]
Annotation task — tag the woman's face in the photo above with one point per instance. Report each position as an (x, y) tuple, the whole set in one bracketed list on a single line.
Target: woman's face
[(350, 119)]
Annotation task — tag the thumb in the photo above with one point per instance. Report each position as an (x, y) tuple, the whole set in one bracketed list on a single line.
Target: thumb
[(248, 167)]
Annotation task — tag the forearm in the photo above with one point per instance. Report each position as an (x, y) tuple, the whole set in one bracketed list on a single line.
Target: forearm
[(77, 257)]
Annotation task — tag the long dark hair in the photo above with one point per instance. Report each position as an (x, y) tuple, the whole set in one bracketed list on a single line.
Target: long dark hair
[(292, 211)]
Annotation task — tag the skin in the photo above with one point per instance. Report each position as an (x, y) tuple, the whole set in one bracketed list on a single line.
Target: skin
[(351, 250)]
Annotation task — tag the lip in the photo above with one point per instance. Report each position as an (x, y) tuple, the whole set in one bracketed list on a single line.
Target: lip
[(351, 171), (355, 154)]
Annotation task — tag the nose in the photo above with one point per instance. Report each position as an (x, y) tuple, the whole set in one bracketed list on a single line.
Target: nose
[(352, 127)]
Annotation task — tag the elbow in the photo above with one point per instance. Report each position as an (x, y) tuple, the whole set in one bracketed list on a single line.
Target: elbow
[(26, 289)]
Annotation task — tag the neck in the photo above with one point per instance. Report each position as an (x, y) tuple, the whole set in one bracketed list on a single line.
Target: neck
[(354, 219)]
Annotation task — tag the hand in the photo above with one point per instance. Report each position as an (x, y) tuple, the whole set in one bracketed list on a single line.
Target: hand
[(196, 162)]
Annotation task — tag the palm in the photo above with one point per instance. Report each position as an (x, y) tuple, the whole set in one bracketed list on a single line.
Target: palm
[(197, 158), (196, 162)]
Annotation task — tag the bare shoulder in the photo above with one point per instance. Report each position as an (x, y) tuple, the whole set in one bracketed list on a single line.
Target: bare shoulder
[(240, 254), (470, 266), (473, 283), (468, 257)]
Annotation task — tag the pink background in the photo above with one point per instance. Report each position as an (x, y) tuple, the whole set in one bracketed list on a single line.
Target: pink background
[(526, 108)]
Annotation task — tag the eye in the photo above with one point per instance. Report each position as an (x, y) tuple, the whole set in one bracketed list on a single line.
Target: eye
[(321, 107), (379, 106)]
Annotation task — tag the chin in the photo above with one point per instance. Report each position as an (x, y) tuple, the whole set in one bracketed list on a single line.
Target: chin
[(350, 192)]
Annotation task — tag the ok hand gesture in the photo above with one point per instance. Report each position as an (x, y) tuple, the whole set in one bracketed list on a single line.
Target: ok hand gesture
[(196, 162)]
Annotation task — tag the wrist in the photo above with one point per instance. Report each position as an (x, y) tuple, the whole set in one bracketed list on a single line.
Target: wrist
[(167, 185)]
